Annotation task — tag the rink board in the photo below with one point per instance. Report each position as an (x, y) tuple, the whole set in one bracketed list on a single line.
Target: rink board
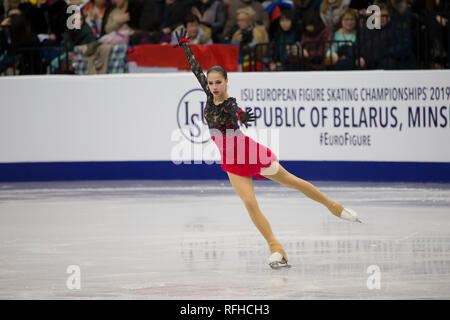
[(362, 126), (311, 170)]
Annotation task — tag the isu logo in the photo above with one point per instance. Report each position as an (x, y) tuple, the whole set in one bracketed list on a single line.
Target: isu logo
[(190, 116)]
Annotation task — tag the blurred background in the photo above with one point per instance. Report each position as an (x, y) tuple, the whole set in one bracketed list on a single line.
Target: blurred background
[(63, 37)]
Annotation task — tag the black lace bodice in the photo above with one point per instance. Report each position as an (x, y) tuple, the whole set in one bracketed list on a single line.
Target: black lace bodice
[(223, 116)]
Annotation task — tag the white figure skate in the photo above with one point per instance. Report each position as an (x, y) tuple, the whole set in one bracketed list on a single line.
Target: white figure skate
[(276, 261), (350, 215)]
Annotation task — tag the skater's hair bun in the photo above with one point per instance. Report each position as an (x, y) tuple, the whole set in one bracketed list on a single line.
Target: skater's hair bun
[(218, 69)]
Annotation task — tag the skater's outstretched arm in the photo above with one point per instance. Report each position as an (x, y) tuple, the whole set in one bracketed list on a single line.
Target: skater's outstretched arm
[(232, 108), (183, 41)]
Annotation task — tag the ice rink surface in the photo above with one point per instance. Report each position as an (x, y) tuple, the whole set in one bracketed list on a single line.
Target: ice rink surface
[(195, 240)]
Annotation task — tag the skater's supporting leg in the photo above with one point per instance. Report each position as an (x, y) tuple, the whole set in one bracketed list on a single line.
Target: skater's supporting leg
[(244, 188), (287, 179)]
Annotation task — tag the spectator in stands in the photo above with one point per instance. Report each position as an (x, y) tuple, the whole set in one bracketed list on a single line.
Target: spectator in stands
[(47, 19), (360, 5), (329, 12), (32, 13), (436, 19), (9, 5), (17, 37), (212, 13), (314, 37), (93, 13), (150, 18), (6, 56), (172, 13), (117, 18), (196, 32), (342, 54), (285, 44), (399, 7), (45, 16), (56, 17), (260, 16), (22, 24), (145, 20), (401, 12), (388, 47), (248, 35), (301, 7), (78, 36), (35, 12)]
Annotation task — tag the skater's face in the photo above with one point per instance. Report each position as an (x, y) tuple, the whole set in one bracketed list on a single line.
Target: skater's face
[(217, 83)]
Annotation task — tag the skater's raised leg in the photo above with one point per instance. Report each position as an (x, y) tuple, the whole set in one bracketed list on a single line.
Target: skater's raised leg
[(277, 173), (244, 188)]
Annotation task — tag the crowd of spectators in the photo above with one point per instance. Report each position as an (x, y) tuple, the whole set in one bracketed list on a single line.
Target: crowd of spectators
[(317, 32)]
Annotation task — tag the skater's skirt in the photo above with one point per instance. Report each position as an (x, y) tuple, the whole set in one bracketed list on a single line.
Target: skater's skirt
[(242, 155)]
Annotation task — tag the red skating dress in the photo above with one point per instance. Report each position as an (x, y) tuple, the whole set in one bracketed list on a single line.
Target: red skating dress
[(239, 153)]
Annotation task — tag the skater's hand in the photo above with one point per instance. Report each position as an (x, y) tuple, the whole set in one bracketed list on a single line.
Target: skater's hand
[(181, 37), (246, 117)]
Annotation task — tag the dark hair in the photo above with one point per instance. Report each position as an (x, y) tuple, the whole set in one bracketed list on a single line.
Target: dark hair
[(135, 8), (313, 18), (287, 14), (383, 6), (190, 18), (20, 29), (218, 69)]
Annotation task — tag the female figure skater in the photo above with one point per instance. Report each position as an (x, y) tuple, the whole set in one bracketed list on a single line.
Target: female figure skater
[(222, 115)]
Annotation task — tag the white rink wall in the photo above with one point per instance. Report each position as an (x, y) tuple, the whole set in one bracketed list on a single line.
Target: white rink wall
[(373, 116)]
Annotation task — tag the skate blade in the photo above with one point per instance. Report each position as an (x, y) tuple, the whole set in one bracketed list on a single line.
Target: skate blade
[(278, 265)]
